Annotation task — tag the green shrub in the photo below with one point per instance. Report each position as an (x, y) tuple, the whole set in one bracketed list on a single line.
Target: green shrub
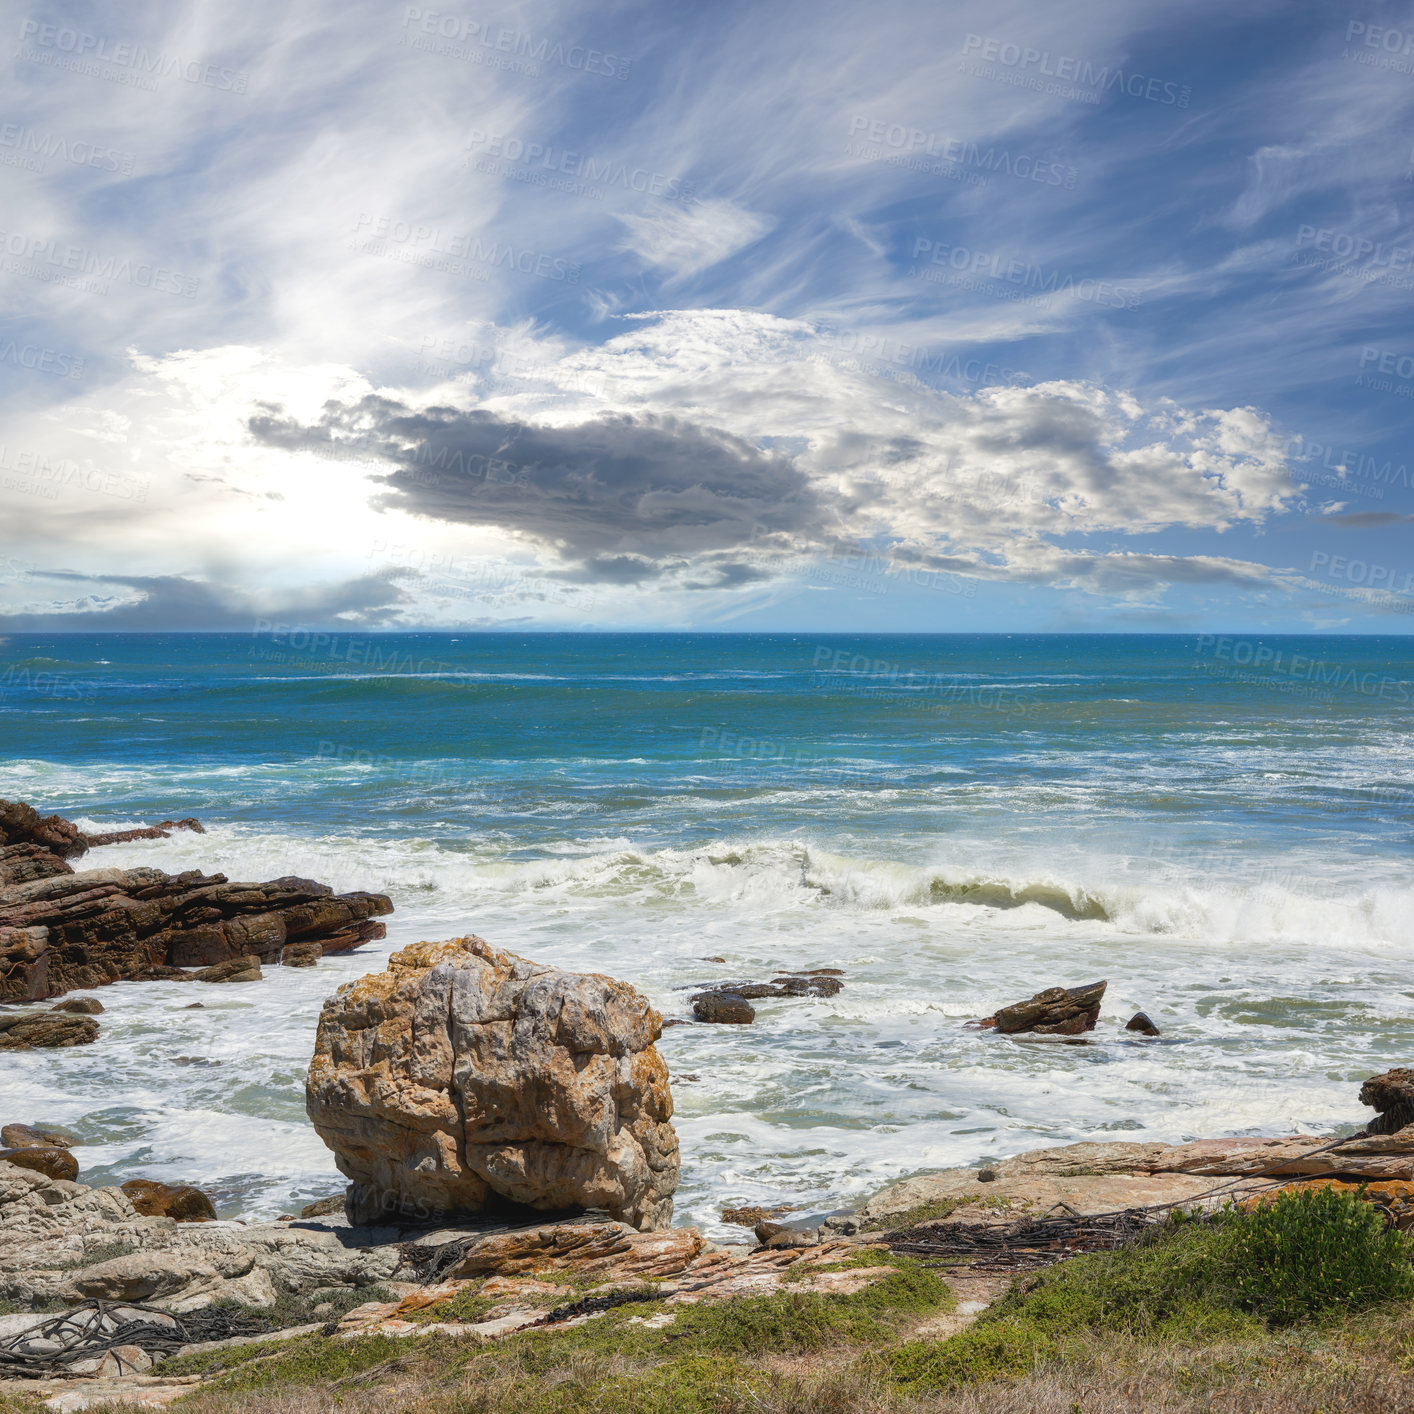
[(1313, 1251)]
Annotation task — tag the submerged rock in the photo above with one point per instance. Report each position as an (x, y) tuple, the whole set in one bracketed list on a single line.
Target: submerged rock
[(462, 1074), (1058, 1011), (1141, 1023), (45, 1030), (727, 1002)]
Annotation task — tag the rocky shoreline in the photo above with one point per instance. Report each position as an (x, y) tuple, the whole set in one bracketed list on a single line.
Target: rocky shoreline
[(506, 1128)]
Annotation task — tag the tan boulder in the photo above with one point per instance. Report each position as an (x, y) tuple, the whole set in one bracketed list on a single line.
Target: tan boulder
[(462, 1073)]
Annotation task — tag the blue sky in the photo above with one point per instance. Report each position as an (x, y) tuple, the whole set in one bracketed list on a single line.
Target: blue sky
[(966, 317)]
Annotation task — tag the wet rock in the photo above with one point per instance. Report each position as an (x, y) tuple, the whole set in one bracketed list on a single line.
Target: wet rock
[(322, 1207), (1058, 1011), (24, 1136), (236, 969), (82, 1006), (179, 1201), (723, 1008), (462, 1072), (302, 954), (190, 823), (52, 1162), (1141, 1023), (45, 1030), (1391, 1096)]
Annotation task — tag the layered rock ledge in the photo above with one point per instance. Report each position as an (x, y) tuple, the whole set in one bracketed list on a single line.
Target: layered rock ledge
[(462, 1075), (61, 930)]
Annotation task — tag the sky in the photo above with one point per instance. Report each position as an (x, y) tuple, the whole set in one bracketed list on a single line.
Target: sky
[(1039, 316)]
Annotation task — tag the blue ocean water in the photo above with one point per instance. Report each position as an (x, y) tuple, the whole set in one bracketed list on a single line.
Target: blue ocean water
[(1220, 826)]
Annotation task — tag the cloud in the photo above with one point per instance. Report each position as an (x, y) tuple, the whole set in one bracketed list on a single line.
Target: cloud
[(686, 240), (175, 603), (619, 496), (765, 458)]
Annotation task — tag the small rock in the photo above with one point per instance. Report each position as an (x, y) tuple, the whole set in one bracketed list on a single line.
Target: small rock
[(322, 1207), (711, 959), (845, 1224), (776, 1236), (88, 1006), (285, 1218), (52, 1162), (986, 1175), (123, 1360), (749, 1217), (169, 1200), (24, 1136), (194, 1060), (324, 1307), (301, 954), (1058, 1011), (1140, 1022), (190, 823), (725, 1008), (195, 1006)]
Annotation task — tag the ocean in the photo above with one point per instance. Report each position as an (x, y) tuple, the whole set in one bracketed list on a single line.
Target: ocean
[(1220, 826)]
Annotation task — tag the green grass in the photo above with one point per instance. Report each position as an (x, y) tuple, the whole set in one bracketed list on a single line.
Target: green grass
[(1312, 1256)]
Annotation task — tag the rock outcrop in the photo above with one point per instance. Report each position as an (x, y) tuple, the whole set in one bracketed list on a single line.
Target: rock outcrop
[(1058, 1011), (59, 1239), (21, 826), (1391, 1096), (462, 1075), (84, 930)]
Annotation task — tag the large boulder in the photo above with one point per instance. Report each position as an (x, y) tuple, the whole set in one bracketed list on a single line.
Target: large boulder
[(462, 1075)]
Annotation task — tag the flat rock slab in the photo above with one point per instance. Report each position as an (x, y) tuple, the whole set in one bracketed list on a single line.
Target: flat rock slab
[(1010, 1197)]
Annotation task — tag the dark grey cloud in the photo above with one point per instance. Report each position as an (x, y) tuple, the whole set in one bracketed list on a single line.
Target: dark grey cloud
[(622, 499), (174, 604)]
